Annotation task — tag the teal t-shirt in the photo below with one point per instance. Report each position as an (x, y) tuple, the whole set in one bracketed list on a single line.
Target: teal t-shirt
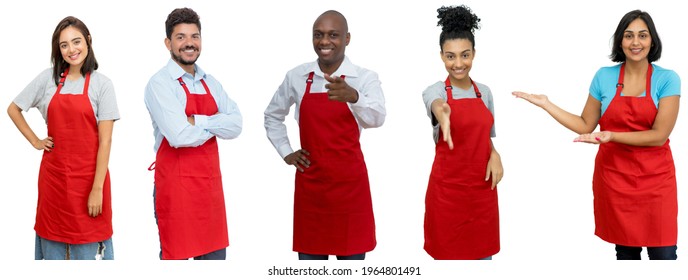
[(665, 83)]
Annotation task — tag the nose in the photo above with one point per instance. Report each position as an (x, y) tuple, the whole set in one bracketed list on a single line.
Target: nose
[(186, 42), (457, 63), (635, 41), (324, 41)]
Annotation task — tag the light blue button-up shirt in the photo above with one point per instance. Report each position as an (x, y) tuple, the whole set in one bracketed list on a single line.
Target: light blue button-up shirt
[(166, 102)]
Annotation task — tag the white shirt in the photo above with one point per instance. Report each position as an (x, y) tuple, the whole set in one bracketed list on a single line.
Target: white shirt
[(369, 110)]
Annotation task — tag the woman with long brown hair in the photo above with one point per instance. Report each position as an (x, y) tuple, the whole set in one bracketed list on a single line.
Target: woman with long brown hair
[(73, 216)]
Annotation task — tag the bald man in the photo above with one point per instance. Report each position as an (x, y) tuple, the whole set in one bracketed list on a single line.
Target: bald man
[(335, 100)]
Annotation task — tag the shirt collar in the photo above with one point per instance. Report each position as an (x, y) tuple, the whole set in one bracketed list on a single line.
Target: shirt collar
[(346, 68), (176, 71)]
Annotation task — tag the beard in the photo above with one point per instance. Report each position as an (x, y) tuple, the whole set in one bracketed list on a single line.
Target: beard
[(181, 60)]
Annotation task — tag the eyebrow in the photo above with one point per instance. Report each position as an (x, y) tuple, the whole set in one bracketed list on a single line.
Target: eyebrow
[(464, 51), (182, 33), (641, 31), (326, 31), (77, 38)]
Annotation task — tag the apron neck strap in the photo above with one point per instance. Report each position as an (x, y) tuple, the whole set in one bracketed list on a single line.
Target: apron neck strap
[(63, 78), (309, 81), (648, 80), (186, 89), (448, 88)]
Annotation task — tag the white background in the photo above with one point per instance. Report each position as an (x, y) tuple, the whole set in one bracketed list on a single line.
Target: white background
[(545, 197)]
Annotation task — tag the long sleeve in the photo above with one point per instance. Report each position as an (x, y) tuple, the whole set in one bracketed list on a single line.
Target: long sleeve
[(227, 123), (169, 117), (275, 114), (369, 110)]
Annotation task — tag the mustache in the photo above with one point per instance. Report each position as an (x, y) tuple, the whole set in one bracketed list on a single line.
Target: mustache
[(189, 48)]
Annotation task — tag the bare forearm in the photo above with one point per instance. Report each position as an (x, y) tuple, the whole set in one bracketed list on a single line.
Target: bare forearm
[(665, 120), (585, 123), (640, 138), (436, 107), (20, 122), (571, 121), (102, 162), (103, 156), (493, 151)]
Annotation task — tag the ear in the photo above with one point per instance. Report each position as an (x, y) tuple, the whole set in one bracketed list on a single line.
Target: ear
[(167, 44), (473, 52), (348, 38)]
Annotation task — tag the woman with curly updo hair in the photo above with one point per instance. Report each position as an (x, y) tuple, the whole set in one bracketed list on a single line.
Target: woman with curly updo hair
[(461, 212)]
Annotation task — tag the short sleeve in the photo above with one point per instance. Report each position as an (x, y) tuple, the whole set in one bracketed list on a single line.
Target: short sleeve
[(107, 102), (490, 107), (595, 88), (32, 94), (669, 84)]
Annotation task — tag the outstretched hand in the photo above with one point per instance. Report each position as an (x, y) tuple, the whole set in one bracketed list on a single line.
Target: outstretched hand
[(298, 159), (537, 99), (443, 119), (600, 137), (441, 110), (339, 90)]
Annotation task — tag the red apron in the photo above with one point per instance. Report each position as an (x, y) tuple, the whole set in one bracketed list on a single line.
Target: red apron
[(189, 201), (461, 212), (66, 176), (634, 187), (333, 211)]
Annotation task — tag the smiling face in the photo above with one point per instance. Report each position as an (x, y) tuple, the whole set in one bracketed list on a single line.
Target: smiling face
[(185, 45), (457, 55), (330, 38), (73, 47), (636, 41)]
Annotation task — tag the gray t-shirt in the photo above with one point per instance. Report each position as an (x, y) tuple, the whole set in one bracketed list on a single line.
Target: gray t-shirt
[(437, 90), (42, 89)]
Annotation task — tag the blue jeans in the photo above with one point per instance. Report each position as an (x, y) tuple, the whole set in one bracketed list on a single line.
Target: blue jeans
[(53, 250), (303, 256), (655, 253), (214, 255)]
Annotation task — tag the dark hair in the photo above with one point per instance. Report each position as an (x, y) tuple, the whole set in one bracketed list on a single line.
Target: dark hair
[(458, 22), (656, 47), (181, 15), (59, 64)]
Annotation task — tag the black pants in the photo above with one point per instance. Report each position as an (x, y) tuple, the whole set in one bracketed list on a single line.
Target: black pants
[(655, 253), (303, 256)]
